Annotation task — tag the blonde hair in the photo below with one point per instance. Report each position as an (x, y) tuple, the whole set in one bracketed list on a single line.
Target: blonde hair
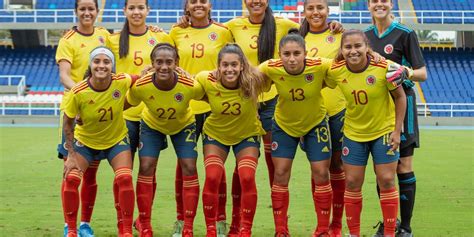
[(251, 81)]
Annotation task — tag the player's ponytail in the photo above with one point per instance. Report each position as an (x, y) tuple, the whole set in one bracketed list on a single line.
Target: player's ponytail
[(125, 35), (267, 37), (340, 56), (251, 81), (293, 36)]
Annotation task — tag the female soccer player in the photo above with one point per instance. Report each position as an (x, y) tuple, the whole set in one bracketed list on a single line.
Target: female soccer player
[(166, 95), (72, 57), (400, 44), (233, 91), (132, 47), (320, 41), (198, 46), (373, 122), (299, 81), (99, 100)]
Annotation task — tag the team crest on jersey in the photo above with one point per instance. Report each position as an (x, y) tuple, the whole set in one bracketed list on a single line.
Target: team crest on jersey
[(152, 41), (179, 97), (345, 151), (274, 146), (309, 78), (330, 39), (388, 49), (213, 36), (116, 94), (101, 40), (370, 80)]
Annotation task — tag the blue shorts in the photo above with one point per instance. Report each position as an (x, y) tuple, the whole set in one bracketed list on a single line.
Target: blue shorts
[(96, 155), (357, 153), (248, 142), (62, 152), (266, 111), (133, 134), (336, 126), (152, 142), (316, 143)]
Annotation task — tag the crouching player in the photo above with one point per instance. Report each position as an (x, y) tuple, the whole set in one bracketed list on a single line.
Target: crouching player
[(372, 125), (99, 100)]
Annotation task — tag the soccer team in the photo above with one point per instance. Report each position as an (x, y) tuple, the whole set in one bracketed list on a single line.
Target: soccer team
[(339, 96)]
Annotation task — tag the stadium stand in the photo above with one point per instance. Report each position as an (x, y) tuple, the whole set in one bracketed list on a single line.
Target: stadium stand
[(57, 4)]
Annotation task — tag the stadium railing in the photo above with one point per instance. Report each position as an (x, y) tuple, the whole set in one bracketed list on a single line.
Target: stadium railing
[(52, 108), (12, 81), (171, 16)]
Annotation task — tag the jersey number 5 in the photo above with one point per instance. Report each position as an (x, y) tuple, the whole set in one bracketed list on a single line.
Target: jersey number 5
[(137, 58)]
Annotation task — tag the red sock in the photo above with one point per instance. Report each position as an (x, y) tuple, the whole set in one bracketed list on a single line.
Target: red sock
[(322, 198), (280, 203), (338, 184), (178, 190), (190, 199), (389, 203), (353, 205), (214, 167), (236, 194), (247, 166), (89, 191), (221, 215), (144, 200), (268, 159), (63, 185), (71, 199), (117, 205), (126, 195)]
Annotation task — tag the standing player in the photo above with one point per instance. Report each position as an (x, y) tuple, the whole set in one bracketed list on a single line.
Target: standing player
[(233, 91), (299, 81), (72, 57), (400, 44), (198, 46), (372, 125), (320, 41), (132, 47), (99, 100), (166, 94)]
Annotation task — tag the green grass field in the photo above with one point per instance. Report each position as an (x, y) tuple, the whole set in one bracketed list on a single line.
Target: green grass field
[(30, 178)]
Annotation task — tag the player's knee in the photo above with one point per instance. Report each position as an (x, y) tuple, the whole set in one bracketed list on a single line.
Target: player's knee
[(405, 165), (247, 179), (147, 167), (386, 181), (188, 168), (353, 183), (281, 177), (72, 181)]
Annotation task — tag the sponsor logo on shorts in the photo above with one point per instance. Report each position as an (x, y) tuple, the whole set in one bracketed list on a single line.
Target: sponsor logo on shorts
[(345, 151), (274, 146), (79, 144), (116, 94), (140, 146), (309, 78), (330, 39), (325, 149), (213, 36), (370, 80), (388, 49), (152, 41), (179, 97), (210, 138)]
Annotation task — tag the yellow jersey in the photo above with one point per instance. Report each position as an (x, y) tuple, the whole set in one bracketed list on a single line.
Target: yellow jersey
[(325, 44), (246, 34), (198, 49), (75, 47), (140, 47), (300, 105), (233, 118), (101, 112), (166, 111), (370, 110)]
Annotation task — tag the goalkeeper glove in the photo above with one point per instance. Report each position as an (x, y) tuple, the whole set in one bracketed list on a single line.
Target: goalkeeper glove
[(397, 74)]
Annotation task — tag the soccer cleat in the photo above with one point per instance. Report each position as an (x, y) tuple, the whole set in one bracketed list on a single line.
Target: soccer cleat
[(71, 234), (221, 229), (188, 233), (146, 233), (282, 234), (380, 230), (403, 233), (85, 230), (178, 228), (211, 231), (335, 231), (245, 233)]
